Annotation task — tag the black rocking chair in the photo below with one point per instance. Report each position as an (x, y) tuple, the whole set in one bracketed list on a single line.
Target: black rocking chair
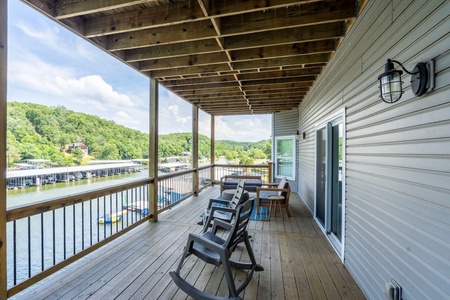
[(214, 250)]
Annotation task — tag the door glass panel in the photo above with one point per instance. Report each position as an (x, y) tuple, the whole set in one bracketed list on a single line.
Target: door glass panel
[(336, 180), (321, 148)]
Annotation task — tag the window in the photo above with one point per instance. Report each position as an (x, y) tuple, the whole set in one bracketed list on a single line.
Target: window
[(285, 157)]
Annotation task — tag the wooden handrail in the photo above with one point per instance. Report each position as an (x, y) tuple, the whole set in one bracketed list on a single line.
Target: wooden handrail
[(24, 211)]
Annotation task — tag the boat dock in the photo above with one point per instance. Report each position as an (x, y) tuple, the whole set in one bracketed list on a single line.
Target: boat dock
[(36, 177)]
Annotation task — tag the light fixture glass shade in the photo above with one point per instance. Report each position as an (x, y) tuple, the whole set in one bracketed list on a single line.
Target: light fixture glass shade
[(391, 87), (390, 83)]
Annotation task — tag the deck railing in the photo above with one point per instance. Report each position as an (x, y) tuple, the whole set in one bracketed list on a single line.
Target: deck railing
[(46, 236), (254, 170), (174, 187)]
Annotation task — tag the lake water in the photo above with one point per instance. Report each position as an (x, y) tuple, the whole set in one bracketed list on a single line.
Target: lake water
[(54, 236)]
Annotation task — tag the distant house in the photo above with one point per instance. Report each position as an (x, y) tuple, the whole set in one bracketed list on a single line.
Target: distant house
[(73, 146)]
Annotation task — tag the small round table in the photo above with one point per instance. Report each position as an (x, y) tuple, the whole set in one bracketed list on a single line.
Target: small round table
[(276, 200)]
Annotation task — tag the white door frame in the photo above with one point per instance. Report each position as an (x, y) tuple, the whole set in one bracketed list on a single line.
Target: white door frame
[(336, 118)]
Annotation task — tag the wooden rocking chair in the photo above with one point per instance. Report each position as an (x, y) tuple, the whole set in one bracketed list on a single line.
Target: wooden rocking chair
[(215, 250)]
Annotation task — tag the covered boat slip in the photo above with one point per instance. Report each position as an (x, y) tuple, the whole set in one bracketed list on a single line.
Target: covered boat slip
[(299, 263)]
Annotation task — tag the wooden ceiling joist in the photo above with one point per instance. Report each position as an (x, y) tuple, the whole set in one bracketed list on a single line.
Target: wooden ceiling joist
[(226, 56)]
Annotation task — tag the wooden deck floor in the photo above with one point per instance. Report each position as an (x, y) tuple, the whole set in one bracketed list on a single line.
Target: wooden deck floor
[(299, 262)]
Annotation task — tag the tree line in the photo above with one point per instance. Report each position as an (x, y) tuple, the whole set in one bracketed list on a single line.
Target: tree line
[(37, 131)]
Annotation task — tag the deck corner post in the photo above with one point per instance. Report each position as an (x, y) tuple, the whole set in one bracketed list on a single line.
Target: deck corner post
[(212, 151), (195, 148), (3, 163), (270, 171), (153, 149)]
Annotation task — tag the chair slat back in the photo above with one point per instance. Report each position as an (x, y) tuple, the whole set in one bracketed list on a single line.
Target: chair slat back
[(238, 195), (243, 213)]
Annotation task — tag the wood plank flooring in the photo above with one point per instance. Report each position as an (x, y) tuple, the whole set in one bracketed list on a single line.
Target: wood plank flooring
[(299, 262)]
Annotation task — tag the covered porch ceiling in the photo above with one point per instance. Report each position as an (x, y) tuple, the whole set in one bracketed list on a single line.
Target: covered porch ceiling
[(228, 57)]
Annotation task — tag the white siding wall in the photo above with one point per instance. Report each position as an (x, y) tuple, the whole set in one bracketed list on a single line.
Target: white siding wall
[(285, 124), (398, 155)]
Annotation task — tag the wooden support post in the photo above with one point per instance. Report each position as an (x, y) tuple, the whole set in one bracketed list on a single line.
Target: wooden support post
[(212, 151), (195, 147), (153, 149), (269, 172), (3, 74)]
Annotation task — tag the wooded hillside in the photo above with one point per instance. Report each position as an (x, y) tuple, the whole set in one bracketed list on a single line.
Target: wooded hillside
[(38, 131)]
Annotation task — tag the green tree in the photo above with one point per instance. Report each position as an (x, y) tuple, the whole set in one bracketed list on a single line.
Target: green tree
[(77, 155)]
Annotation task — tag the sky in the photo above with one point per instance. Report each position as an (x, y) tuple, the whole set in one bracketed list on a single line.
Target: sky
[(49, 65)]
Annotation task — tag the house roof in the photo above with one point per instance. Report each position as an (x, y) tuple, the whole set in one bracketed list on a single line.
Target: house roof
[(226, 56)]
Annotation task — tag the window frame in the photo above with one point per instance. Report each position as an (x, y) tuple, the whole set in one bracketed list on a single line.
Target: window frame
[(294, 156)]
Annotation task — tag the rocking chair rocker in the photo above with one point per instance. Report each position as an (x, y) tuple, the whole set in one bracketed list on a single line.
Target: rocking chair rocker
[(214, 250)]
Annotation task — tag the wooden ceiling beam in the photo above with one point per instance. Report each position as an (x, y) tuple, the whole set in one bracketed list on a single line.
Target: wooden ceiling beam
[(280, 74), (275, 95), (216, 86), (230, 7), (172, 50), (293, 16), (285, 36), (193, 81), (256, 94), (143, 18), (275, 101), (184, 61), (162, 35), (72, 8), (219, 104), (203, 92), (281, 62), (295, 49), (216, 100), (278, 86), (190, 70), (262, 83)]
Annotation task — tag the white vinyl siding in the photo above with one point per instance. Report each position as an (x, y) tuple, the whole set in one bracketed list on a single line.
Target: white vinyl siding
[(397, 155)]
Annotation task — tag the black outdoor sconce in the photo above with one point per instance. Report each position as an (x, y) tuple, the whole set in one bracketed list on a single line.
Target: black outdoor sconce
[(422, 79)]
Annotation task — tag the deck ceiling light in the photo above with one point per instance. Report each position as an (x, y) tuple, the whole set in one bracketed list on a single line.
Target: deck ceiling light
[(391, 80)]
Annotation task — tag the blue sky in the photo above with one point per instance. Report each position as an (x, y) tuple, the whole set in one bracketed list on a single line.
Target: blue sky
[(49, 65)]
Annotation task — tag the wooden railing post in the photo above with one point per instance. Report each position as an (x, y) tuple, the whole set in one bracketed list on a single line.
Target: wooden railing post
[(153, 150), (195, 147), (269, 171), (212, 151), (3, 69)]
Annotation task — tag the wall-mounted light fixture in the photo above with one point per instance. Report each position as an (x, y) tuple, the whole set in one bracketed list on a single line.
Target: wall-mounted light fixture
[(422, 80), (298, 134)]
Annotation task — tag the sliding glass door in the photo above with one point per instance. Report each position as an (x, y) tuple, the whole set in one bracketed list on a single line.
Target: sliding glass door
[(329, 177)]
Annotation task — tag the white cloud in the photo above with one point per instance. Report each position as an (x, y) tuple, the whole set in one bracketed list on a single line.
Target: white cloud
[(44, 33), (49, 65), (251, 128), (124, 118), (43, 77)]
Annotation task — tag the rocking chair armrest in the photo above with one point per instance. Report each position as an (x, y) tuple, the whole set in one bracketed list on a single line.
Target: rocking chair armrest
[(223, 209), (271, 190), (221, 201), (195, 238), (221, 224)]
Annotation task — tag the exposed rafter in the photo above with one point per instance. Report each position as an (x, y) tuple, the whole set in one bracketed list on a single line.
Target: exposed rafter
[(226, 56)]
